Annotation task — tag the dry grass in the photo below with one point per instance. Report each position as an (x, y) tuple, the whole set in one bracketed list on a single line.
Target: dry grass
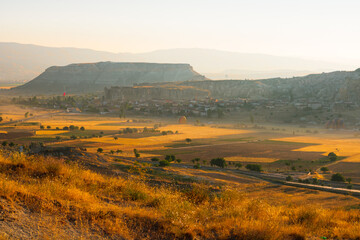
[(116, 208), (50, 132), (250, 159)]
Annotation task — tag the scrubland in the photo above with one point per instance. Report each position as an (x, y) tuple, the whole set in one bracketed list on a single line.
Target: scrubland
[(78, 203)]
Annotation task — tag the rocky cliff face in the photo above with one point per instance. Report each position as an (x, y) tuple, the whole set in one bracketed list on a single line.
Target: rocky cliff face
[(335, 86), (92, 77)]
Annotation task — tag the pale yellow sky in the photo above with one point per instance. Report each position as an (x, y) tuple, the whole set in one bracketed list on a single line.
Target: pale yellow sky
[(317, 29)]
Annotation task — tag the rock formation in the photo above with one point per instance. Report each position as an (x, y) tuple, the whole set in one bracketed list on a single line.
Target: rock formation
[(93, 77)]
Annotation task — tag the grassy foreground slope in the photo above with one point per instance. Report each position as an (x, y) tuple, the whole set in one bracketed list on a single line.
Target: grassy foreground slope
[(48, 198)]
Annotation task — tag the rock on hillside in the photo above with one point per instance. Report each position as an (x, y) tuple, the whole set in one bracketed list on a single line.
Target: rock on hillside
[(92, 77)]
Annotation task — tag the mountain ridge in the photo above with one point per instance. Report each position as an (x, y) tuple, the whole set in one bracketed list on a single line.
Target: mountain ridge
[(23, 62)]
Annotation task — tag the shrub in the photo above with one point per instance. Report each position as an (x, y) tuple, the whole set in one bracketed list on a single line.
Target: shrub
[(48, 127), (254, 167), (73, 137), (197, 166), (324, 169), (289, 178), (337, 177), (100, 150), (170, 158), (238, 165), (220, 162), (332, 156), (155, 159), (82, 129), (164, 163)]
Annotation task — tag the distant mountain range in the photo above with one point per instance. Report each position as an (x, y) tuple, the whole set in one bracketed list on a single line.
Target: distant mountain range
[(23, 62)]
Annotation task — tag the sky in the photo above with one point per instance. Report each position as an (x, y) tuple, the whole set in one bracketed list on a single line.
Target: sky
[(316, 29)]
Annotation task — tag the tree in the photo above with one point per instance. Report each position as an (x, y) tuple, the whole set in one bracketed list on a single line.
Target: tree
[(254, 167), (332, 156), (1, 119), (58, 138), (238, 165), (11, 144), (112, 151), (136, 152), (178, 160), (324, 169), (48, 127), (349, 180), (82, 129), (289, 178), (170, 158), (118, 151), (155, 159), (41, 127), (115, 138), (73, 137), (65, 128), (4, 143), (164, 163), (220, 162), (337, 177), (100, 150), (26, 114), (188, 140)]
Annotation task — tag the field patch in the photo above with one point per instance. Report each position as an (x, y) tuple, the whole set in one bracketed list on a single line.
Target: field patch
[(251, 159), (346, 147), (50, 132)]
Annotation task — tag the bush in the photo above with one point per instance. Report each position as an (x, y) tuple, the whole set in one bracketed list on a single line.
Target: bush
[(324, 169), (164, 163), (238, 165), (337, 177), (220, 162), (289, 178), (48, 127), (73, 137), (197, 166), (332, 156), (100, 150), (170, 158), (82, 129), (254, 167), (155, 159)]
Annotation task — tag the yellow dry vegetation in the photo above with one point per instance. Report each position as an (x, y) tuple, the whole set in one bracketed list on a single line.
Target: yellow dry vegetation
[(50, 132), (250, 159), (109, 207), (341, 146), (3, 132), (157, 142)]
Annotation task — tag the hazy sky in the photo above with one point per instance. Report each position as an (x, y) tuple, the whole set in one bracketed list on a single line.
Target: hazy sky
[(319, 29)]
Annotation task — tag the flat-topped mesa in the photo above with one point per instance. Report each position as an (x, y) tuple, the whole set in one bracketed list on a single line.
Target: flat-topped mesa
[(93, 77)]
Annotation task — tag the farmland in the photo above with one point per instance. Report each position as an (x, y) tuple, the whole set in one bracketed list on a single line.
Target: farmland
[(291, 151)]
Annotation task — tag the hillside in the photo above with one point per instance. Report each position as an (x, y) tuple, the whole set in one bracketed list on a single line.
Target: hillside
[(23, 62), (330, 87), (92, 77), (42, 196)]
